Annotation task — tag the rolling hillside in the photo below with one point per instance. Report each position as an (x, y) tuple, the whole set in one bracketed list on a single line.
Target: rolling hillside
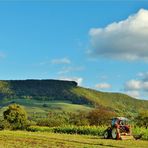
[(44, 95)]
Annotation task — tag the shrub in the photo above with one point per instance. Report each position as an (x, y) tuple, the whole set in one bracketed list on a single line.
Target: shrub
[(142, 119), (4, 125), (16, 116), (78, 119), (140, 131), (39, 129), (100, 117), (54, 119)]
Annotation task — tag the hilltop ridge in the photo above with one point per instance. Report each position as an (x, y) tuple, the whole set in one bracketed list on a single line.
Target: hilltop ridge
[(29, 92)]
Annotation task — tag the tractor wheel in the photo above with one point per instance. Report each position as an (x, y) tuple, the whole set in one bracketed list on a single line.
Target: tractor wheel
[(115, 134), (106, 134)]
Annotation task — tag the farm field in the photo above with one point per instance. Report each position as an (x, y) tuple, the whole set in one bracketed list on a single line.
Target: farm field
[(36, 106), (24, 139)]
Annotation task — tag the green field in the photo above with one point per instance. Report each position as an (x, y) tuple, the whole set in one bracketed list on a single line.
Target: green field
[(21, 139), (36, 106)]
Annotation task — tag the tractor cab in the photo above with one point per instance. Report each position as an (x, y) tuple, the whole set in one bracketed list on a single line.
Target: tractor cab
[(120, 121)]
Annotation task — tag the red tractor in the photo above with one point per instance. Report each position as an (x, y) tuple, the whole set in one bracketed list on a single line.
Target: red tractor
[(120, 129)]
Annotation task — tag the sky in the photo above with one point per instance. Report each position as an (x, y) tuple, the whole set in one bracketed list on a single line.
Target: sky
[(102, 45)]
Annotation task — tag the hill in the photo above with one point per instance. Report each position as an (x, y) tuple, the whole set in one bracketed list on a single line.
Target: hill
[(44, 95)]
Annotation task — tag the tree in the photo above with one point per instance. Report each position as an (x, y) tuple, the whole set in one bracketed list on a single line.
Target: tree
[(79, 119), (100, 117), (142, 119), (16, 116)]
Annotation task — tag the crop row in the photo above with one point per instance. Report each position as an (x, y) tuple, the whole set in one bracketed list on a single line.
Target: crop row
[(82, 130)]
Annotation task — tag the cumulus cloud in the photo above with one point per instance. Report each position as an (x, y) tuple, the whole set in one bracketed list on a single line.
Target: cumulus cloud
[(61, 61), (133, 93), (103, 86), (133, 85), (138, 86), (124, 40), (79, 80)]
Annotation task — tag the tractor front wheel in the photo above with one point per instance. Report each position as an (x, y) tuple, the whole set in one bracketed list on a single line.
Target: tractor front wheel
[(106, 134)]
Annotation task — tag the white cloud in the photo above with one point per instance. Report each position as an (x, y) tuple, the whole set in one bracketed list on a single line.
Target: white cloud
[(133, 85), (137, 87), (103, 86), (125, 40), (79, 80), (133, 93), (61, 61)]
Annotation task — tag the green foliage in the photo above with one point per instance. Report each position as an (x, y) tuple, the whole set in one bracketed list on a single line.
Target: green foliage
[(82, 130), (4, 125), (39, 129), (16, 116), (100, 117), (140, 131), (142, 119), (5, 90), (78, 119), (54, 119), (38, 89), (120, 103)]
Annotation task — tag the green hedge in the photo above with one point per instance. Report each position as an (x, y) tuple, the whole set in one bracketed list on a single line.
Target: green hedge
[(82, 130)]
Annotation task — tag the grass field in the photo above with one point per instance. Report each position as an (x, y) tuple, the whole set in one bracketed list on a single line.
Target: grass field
[(37, 106), (21, 139)]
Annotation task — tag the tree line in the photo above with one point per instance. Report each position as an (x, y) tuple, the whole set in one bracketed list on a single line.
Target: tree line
[(15, 117)]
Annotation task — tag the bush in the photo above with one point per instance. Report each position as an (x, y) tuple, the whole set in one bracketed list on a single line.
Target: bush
[(100, 117), (140, 131), (16, 116), (54, 119), (39, 129), (78, 119), (4, 125), (52, 122), (142, 119)]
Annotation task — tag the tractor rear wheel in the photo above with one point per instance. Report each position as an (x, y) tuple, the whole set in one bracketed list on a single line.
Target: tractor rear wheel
[(115, 133)]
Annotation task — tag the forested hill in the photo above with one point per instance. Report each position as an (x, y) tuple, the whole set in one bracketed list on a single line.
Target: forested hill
[(49, 90), (36, 89), (67, 91)]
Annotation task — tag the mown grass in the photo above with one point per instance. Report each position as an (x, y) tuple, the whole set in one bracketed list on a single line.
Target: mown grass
[(24, 139)]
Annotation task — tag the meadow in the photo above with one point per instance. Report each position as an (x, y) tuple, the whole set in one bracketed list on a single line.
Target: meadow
[(24, 139)]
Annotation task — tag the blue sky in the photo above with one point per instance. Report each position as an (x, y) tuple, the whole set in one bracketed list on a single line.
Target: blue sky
[(101, 45)]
